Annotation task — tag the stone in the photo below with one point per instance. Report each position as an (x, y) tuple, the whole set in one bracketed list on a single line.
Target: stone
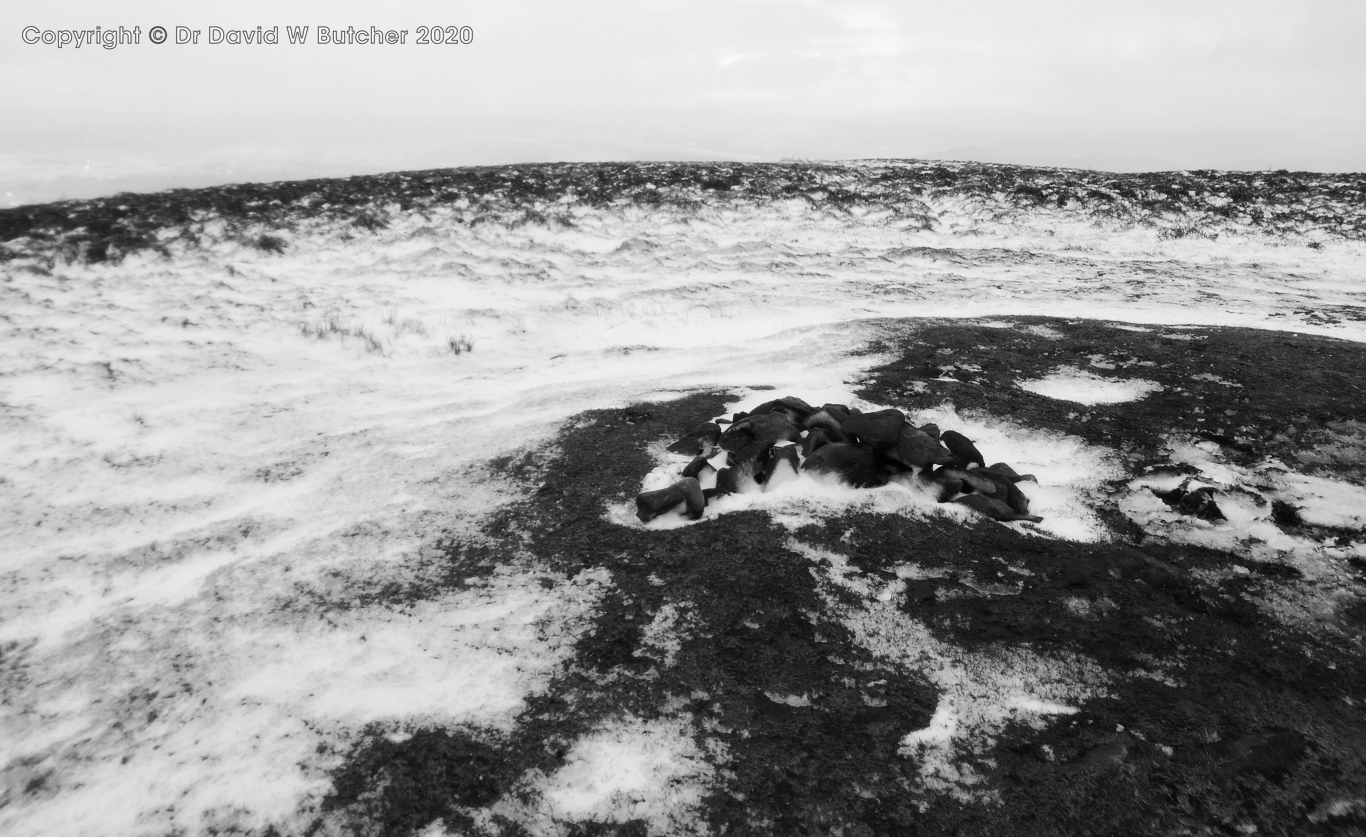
[(773, 428), (694, 468), (993, 508), (738, 479), (916, 448), (962, 447), (838, 412), (1000, 469), (824, 420), (880, 429), (797, 407), (791, 405), (1017, 499), (1004, 469), (701, 439), (930, 429), (782, 465), (1197, 503), (852, 464), (651, 504), (768, 427), (815, 437), (1200, 503), (1006, 488), (752, 456), (948, 486), (736, 437), (694, 499), (970, 480), (889, 463)]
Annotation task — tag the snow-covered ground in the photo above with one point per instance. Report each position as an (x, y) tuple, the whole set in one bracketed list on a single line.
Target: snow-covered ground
[(196, 447)]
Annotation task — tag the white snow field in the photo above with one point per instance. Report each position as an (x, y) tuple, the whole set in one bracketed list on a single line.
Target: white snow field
[(197, 445)]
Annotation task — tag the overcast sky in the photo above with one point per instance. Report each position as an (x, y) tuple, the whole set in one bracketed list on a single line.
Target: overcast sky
[(1109, 85)]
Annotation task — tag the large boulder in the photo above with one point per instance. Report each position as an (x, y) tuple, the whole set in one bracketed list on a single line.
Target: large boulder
[(851, 464), (880, 429), (838, 411), (993, 508), (971, 480), (1005, 470), (823, 420), (962, 447), (651, 504), (752, 456), (736, 437), (914, 447), (815, 438), (695, 468), (737, 479), (948, 486), (1006, 489), (768, 428), (774, 427), (790, 404), (701, 439)]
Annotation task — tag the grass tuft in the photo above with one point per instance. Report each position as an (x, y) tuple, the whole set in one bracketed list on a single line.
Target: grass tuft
[(333, 326), (372, 342), (270, 244)]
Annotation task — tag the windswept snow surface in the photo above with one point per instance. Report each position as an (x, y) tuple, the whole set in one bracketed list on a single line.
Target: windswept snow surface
[(213, 460)]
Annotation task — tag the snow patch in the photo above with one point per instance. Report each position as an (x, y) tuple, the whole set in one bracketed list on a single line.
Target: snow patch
[(1215, 379), (980, 691), (1069, 383), (667, 631), (628, 769), (245, 752), (1244, 495)]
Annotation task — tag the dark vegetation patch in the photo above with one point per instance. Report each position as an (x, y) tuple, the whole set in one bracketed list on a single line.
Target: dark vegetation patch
[(1257, 730), (760, 632), (270, 244), (1257, 725), (1205, 204), (1256, 393)]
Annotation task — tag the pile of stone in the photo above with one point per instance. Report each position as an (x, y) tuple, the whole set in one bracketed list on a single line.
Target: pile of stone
[(781, 438)]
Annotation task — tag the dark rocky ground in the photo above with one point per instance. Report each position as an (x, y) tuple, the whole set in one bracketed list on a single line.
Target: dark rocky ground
[(1299, 206), (1264, 733)]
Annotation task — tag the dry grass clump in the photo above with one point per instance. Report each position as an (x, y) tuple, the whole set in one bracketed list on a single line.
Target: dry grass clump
[(406, 324), (332, 327), (392, 331), (269, 244)]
